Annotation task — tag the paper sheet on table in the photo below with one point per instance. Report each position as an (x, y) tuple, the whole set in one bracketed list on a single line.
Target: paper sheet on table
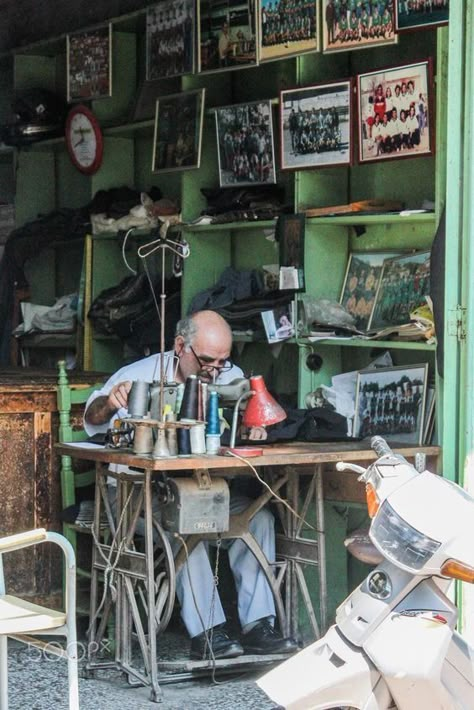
[(84, 444)]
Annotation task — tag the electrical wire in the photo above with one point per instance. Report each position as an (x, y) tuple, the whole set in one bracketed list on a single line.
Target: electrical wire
[(123, 252), (279, 498)]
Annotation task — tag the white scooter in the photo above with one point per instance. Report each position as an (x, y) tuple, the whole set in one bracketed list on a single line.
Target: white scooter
[(393, 644)]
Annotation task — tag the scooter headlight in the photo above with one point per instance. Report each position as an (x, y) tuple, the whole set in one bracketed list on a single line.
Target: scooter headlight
[(399, 541)]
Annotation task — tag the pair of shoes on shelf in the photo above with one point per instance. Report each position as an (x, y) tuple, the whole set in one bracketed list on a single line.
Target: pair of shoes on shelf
[(263, 638), (217, 639)]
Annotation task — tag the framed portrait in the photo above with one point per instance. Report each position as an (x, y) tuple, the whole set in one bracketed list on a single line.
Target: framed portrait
[(360, 284), (357, 25), (295, 31), (390, 401), (290, 234), (226, 35), (178, 131), (89, 64), (170, 39), (403, 285), (245, 144), (316, 126), (395, 115), (279, 323), (420, 15)]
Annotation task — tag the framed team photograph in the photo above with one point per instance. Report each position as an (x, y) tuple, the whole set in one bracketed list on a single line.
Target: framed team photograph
[(178, 131), (403, 285), (316, 126), (170, 39), (360, 284), (285, 34), (420, 14), (357, 25), (390, 401), (245, 144), (226, 35), (395, 112), (89, 64)]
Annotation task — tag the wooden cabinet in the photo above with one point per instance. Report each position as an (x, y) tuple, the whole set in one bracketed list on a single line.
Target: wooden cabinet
[(29, 473)]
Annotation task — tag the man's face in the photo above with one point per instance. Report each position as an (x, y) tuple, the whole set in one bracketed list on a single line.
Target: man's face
[(205, 357)]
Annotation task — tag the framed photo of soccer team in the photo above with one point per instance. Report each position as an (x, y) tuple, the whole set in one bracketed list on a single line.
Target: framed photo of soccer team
[(170, 39), (395, 112), (178, 131), (89, 64), (293, 32), (357, 27)]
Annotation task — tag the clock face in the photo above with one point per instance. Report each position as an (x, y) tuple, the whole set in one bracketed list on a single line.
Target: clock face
[(84, 140)]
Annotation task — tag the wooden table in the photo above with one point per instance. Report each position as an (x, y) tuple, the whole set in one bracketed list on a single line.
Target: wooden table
[(303, 471)]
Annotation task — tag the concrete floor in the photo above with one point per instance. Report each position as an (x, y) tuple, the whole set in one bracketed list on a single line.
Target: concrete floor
[(39, 683)]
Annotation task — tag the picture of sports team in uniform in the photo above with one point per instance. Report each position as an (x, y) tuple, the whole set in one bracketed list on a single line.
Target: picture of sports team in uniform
[(287, 27), (404, 283), (245, 144), (390, 402), (393, 113), (352, 24), (170, 39), (411, 14), (315, 125)]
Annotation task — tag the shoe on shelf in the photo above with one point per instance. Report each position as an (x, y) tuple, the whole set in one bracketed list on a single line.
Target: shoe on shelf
[(263, 638), (221, 644)]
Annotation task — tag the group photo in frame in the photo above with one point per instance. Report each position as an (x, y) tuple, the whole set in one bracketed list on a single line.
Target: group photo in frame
[(170, 27), (89, 64), (245, 148), (316, 126), (404, 283), (178, 131), (361, 282), (226, 34), (395, 117), (287, 28), (390, 402), (420, 14), (351, 25)]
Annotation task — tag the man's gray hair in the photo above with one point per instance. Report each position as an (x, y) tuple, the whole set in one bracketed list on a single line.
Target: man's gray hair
[(187, 329)]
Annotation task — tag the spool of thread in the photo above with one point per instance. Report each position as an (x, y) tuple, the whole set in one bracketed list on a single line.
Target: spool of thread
[(189, 405), (179, 397), (202, 413), (138, 399), (213, 442), (143, 440), (171, 437), (213, 425), (161, 449), (198, 438), (184, 442)]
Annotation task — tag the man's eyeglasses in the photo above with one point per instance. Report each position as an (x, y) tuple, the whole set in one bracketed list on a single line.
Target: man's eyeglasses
[(206, 363)]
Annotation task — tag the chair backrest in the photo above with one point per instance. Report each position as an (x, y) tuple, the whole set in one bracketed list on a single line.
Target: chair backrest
[(67, 396)]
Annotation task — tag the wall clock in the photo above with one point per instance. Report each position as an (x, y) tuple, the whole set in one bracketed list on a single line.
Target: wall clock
[(84, 140)]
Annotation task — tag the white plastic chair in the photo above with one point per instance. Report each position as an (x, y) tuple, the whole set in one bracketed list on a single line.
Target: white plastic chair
[(19, 617)]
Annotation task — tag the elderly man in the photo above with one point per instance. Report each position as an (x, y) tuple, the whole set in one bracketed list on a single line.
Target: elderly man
[(202, 347)]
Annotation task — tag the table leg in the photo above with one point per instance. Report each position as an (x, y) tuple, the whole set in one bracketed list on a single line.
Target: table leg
[(156, 693)]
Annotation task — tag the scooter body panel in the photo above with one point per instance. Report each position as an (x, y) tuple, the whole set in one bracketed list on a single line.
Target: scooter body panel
[(327, 674)]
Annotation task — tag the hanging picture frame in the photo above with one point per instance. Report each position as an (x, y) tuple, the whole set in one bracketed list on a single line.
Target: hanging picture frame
[(420, 15), (390, 402), (395, 112), (281, 35), (245, 149), (357, 25), (178, 131), (226, 35), (89, 64), (170, 31), (316, 126)]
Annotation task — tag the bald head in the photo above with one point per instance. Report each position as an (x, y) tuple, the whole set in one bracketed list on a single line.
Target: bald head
[(202, 339)]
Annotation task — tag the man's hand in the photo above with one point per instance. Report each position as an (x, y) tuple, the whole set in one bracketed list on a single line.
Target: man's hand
[(102, 409)]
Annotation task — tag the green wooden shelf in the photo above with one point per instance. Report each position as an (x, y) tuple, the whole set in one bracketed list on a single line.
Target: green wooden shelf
[(382, 218), (344, 342), (229, 227)]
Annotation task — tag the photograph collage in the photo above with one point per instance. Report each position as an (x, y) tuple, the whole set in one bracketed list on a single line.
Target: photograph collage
[(379, 115)]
